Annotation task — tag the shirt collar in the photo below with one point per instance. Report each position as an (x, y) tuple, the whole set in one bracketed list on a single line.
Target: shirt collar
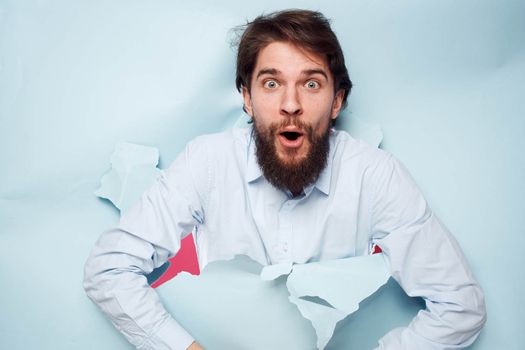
[(254, 172)]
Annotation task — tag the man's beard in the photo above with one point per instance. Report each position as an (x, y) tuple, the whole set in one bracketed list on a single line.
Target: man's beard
[(291, 174)]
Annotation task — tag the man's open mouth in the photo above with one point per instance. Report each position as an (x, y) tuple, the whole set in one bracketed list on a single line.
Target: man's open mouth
[(291, 138), (291, 135)]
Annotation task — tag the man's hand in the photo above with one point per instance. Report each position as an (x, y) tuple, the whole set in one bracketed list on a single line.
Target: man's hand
[(195, 346)]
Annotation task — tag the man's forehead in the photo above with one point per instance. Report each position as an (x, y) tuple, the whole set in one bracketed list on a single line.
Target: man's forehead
[(278, 56)]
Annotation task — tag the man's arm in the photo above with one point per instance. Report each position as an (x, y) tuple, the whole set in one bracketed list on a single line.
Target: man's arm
[(114, 280), (427, 262), (148, 234)]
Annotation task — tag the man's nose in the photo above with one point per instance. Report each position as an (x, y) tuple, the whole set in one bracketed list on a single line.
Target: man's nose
[(291, 104)]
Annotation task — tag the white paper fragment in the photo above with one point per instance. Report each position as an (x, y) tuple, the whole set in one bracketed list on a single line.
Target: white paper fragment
[(133, 170), (271, 272), (323, 318), (368, 132), (341, 283)]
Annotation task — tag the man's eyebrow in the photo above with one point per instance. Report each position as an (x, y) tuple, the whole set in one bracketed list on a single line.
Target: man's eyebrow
[(309, 72), (306, 72), (270, 71)]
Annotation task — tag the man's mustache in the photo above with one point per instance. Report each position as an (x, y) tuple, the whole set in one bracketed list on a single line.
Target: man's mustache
[(306, 128)]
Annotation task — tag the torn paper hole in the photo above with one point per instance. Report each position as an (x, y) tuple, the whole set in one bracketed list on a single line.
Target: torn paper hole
[(342, 284), (230, 306)]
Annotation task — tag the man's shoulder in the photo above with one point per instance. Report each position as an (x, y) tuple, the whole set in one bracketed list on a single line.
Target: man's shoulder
[(214, 151), (357, 156)]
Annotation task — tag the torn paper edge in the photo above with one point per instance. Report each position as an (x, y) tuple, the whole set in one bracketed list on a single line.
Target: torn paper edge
[(336, 309), (125, 158)]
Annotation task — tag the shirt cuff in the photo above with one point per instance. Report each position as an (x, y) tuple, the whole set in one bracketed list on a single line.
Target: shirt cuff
[(170, 336)]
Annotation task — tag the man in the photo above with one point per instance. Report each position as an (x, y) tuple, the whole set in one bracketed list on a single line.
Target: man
[(288, 189)]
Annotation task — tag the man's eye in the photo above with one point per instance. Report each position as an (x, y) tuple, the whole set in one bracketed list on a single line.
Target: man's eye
[(270, 84), (312, 84)]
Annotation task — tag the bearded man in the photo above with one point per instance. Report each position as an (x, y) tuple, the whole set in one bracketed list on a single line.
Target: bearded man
[(288, 189)]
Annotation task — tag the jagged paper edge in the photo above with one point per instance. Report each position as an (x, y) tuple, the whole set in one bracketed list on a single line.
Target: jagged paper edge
[(328, 313), (128, 160)]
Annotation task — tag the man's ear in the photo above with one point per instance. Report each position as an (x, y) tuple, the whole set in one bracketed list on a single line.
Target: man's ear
[(337, 104), (247, 101)]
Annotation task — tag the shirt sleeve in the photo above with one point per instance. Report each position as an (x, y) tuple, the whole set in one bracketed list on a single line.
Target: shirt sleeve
[(148, 235), (425, 259)]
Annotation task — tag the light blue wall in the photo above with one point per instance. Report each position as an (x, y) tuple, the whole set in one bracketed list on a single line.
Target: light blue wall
[(445, 79)]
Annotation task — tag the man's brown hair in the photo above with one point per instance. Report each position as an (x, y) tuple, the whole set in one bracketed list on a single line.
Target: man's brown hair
[(306, 29)]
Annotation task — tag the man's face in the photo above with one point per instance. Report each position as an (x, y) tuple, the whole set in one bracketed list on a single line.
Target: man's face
[(292, 102)]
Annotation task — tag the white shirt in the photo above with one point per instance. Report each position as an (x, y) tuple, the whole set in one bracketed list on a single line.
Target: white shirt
[(215, 188)]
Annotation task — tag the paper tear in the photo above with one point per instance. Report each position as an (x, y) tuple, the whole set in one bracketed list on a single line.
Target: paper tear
[(229, 296), (363, 274), (267, 312), (342, 283), (133, 170), (271, 272), (323, 318)]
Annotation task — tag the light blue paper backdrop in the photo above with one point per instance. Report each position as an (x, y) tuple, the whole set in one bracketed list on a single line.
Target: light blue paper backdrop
[(444, 79)]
